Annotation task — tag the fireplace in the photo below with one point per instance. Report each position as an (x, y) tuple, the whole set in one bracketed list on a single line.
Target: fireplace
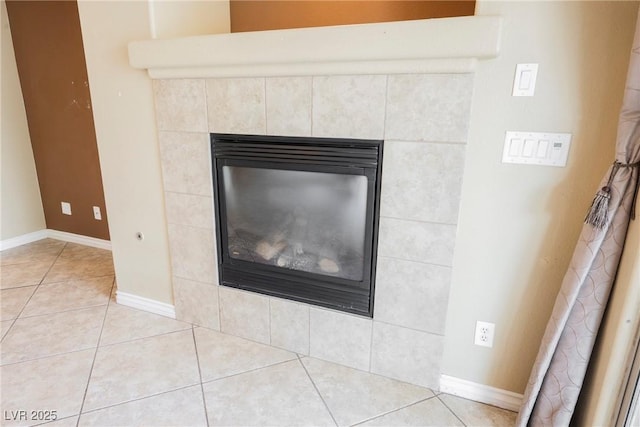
[(415, 96), (298, 217)]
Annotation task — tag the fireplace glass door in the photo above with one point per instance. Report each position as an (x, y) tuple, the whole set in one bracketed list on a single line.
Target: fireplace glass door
[(297, 217), (306, 221)]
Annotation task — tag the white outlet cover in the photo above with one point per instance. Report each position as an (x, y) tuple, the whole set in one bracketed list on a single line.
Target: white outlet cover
[(66, 208), (484, 334)]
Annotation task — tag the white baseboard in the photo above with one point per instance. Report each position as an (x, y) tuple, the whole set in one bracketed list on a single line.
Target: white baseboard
[(23, 239), (146, 304), (480, 393), (77, 238), (54, 234)]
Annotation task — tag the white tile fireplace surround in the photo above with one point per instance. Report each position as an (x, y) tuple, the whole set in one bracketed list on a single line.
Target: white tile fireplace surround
[(423, 118)]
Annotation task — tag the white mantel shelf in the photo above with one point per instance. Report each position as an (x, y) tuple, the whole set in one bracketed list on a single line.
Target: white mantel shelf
[(446, 45)]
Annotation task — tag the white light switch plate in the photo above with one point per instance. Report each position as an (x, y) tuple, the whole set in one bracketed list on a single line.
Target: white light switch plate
[(536, 148), (524, 83)]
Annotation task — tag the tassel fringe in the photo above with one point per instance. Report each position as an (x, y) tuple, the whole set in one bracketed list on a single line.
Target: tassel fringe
[(598, 215)]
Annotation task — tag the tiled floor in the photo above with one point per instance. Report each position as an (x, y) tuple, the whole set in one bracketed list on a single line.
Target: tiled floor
[(68, 347)]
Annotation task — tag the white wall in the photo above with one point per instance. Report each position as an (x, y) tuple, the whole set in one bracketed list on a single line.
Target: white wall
[(519, 224), (20, 204)]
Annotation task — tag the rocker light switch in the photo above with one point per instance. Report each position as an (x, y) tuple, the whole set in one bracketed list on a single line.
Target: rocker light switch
[(536, 148), (524, 83)]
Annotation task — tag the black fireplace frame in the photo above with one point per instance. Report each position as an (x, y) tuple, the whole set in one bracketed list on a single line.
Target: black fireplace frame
[(329, 155)]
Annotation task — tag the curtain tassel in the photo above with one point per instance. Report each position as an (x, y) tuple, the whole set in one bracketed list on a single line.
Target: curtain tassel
[(598, 215)]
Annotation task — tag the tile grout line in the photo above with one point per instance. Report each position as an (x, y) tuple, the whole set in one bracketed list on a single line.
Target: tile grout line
[(79, 350), (37, 286), (204, 401), (416, 261), (76, 279), (450, 410), (145, 337), (311, 107), (95, 354), (419, 221), (13, 321), (386, 108), (137, 399), (393, 410), (67, 310), (318, 391), (53, 263), (248, 371)]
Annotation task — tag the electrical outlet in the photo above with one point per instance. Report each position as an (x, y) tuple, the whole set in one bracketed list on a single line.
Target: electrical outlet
[(484, 334), (66, 208), (96, 213)]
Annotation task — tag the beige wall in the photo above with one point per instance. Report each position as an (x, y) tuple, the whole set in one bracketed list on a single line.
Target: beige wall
[(519, 224), (125, 128), (129, 157), (182, 18), (21, 207)]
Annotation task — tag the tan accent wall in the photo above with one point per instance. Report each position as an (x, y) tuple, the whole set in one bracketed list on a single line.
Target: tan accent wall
[(53, 76), (249, 15), (20, 205)]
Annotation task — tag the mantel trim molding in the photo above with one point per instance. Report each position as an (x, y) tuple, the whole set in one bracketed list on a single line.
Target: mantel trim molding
[(446, 45)]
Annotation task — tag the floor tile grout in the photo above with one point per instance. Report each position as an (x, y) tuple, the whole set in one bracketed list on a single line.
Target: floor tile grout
[(66, 310), (392, 411), (451, 410), (248, 371), (53, 263), (204, 400), (95, 354), (137, 399), (318, 391), (100, 345)]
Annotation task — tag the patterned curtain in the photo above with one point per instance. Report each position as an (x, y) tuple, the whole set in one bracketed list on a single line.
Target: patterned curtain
[(561, 364)]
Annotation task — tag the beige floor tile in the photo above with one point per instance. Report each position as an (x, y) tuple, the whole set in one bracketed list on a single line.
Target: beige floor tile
[(430, 412), (57, 333), (126, 324), (62, 296), (45, 250), (54, 383), (12, 301), (354, 396), (477, 414), (142, 368), (183, 407), (15, 275), (221, 355), (80, 262), (4, 327), (277, 395)]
